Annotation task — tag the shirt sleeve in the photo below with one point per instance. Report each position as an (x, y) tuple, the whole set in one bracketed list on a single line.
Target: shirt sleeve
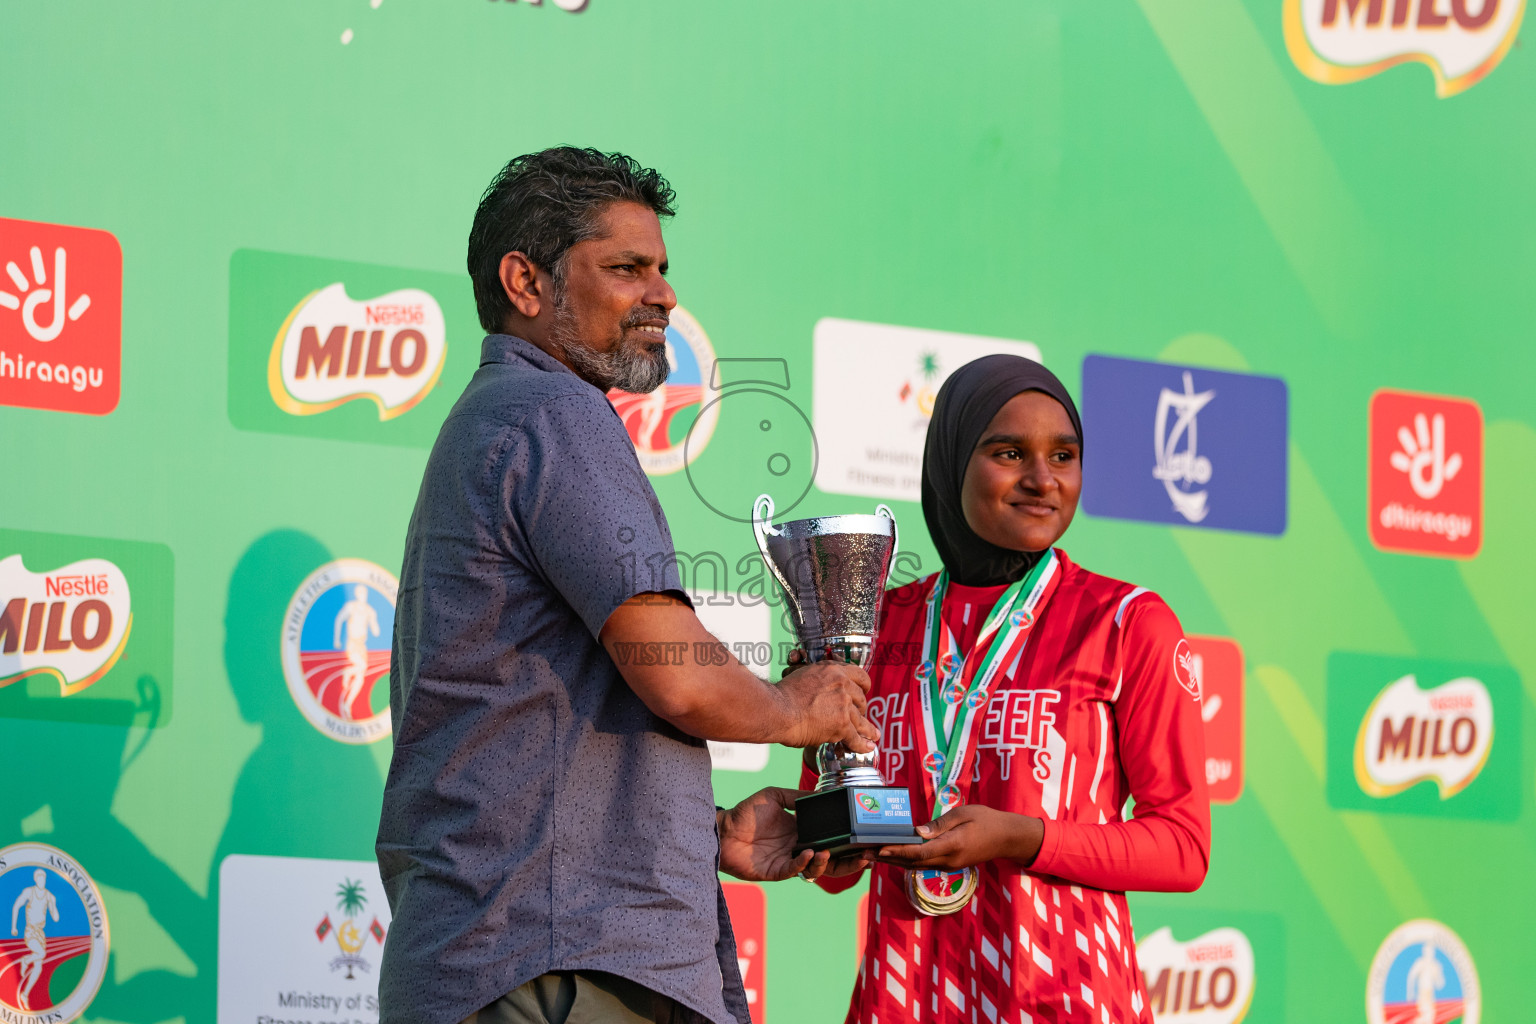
[(585, 511), (1166, 845)]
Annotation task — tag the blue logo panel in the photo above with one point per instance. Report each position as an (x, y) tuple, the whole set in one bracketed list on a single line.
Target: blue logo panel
[(882, 807), (1184, 445)]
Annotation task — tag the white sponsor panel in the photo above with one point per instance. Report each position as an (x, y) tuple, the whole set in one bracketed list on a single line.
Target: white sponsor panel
[(71, 623), (300, 939), (1207, 980), (333, 349), (744, 629), (1409, 735), (875, 385)]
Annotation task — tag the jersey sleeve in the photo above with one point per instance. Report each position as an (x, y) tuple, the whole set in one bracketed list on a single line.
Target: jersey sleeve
[(1165, 847)]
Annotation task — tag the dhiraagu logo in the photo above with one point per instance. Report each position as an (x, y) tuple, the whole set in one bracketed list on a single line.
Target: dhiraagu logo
[(350, 351)]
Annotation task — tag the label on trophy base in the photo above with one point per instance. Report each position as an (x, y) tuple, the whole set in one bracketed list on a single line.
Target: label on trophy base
[(882, 807)]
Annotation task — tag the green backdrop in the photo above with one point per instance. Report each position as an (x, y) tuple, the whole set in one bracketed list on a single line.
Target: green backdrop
[(1152, 180)]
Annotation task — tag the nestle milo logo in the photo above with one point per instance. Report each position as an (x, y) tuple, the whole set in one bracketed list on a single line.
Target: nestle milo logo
[(333, 349), (85, 629), (1415, 736), (351, 351)]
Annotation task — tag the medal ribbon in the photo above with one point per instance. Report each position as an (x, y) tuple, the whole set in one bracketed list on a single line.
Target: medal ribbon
[(954, 691)]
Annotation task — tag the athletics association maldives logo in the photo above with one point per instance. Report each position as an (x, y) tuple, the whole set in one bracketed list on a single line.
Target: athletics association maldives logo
[(1411, 735), (1340, 41), (61, 300), (1423, 974), (1207, 980), (1426, 474), (71, 623), (335, 648), (1185, 445), (333, 349), (671, 425), (53, 954)]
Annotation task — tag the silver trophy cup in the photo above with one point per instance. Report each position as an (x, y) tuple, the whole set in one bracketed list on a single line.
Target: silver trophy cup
[(833, 570)]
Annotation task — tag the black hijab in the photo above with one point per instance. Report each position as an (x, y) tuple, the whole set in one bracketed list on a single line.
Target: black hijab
[(966, 404)]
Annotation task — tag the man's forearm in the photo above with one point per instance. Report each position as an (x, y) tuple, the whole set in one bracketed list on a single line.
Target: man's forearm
[(726, 703), (656, 640)]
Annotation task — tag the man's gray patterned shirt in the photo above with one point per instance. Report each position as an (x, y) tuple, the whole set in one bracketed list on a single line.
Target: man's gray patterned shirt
[(537, 815)]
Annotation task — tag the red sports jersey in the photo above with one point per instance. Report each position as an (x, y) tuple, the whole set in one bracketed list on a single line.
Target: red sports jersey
[(1100, 707)]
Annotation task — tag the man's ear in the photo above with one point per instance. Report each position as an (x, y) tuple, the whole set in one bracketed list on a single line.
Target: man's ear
[(525, 288)]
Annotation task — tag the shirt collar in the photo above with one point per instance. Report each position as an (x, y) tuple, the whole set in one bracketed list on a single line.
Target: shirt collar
[(506, 348)]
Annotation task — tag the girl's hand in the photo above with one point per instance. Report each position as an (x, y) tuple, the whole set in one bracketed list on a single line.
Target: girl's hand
[(968, 835)]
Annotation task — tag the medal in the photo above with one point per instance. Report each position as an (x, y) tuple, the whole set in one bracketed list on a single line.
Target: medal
[(953, 689), (936, 892)]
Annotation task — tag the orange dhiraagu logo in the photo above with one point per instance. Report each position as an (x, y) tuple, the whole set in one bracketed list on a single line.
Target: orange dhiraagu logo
[(333, 349), (1411, 735), (1340, 41), (71, 623)]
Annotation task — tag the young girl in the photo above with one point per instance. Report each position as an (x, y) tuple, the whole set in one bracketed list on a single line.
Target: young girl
[(1022, 700)]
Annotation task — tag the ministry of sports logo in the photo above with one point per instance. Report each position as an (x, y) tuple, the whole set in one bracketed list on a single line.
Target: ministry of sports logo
[(335, 648), (53, 955), (1423, 974), (333, 349), (671, 425), (1341, 41), (873, 390), (299, 939), (350, 938), (71, 623)]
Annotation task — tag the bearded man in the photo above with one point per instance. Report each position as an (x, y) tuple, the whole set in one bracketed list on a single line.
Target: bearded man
[(549, 837)]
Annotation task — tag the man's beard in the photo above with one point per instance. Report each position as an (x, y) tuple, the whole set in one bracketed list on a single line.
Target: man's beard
[(637, 369)]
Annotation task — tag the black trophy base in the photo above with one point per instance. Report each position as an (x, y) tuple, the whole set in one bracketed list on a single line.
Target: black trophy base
[(854, 818)]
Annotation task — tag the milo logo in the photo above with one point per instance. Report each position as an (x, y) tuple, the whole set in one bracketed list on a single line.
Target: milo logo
[(85, 629), (333, 349), (347, 351), (71, 624)]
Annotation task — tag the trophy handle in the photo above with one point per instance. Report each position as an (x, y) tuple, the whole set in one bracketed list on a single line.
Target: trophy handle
[(881, 510), (762, 528)]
